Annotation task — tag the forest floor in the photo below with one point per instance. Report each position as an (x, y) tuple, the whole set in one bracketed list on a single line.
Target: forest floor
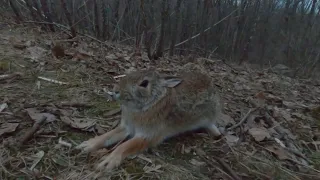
[(278, 137)]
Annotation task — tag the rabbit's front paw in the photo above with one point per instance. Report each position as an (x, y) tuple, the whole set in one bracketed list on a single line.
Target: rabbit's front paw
[(113, 160), (91, 145)]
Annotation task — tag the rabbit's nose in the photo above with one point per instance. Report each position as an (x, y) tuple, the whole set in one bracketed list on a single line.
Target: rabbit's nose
[(116, 95)]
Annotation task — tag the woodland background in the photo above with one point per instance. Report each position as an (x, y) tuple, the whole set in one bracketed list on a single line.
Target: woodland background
[(264, 32)]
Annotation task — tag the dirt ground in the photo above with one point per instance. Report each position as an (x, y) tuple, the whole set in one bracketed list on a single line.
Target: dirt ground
[(273, 120)]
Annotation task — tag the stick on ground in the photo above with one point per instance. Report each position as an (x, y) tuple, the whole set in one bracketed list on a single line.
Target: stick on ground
[(242, 120), (33, 130), (228, 169)]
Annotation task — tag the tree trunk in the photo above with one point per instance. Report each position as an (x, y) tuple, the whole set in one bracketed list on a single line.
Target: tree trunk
[(175, 27), (47, 14), (15, 11), (96, 19), (159, 51), (32, 12), (68, 16)]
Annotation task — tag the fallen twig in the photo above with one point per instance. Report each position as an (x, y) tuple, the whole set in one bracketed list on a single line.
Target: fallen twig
[(263, 161), (227, 168), (272, 122), (242, 120), (33, 130), (67, 40), (119, 76), (6, 113), (65, 27), (52, 80), (69, 145), (224, 165), (299, 154), (112, 112), (9, 76), (204, 30), (74, 104), (225, 173), (254, 171)]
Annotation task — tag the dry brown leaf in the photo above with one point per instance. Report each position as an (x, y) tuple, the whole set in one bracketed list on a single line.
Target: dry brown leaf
[(29, 43), (36, 52), (256, 102), (36, 115), (271, 97), (32, 173), (8, 128), (111, 57), (58, 51), (99, 129), (186, 150), (3, 106), (60, 160), (20, 46), (291, 105), (17, 43), (260, 95), (259, 134), (301, 116), (254, 121), (226, 119), (79, 123), (282, 113), (199, 151), (281, 153), (239, 86), (231, 139), (36, 159), (81, 55), (315, 112)]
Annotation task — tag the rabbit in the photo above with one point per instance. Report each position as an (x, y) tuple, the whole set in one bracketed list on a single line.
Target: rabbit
[(156, 107)]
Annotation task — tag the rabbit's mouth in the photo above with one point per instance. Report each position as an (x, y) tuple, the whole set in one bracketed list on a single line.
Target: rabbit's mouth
[(115, 95)]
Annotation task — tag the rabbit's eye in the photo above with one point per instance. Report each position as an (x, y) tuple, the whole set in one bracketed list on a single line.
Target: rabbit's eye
[(144, 83)]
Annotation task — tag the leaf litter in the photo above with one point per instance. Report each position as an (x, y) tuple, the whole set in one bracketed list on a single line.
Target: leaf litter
[(259, 134), (8, 128), (272, 121), (36, 115)]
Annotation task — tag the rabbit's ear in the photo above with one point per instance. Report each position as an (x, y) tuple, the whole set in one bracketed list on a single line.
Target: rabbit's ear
[(171, 81)]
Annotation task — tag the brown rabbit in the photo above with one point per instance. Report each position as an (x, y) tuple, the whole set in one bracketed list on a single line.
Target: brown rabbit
[(156, 107)]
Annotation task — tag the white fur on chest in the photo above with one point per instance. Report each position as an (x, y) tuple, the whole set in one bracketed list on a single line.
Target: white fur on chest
[(132, 127)]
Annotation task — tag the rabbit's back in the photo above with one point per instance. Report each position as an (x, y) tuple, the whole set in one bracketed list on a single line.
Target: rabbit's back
[(195, 101)]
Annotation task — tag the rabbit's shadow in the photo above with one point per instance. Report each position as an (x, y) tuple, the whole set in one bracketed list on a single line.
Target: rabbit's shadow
[(181, 149), (181, 144)]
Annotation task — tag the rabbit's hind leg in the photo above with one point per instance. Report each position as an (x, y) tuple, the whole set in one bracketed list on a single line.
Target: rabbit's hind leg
[(104, 140), (130, 147)]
